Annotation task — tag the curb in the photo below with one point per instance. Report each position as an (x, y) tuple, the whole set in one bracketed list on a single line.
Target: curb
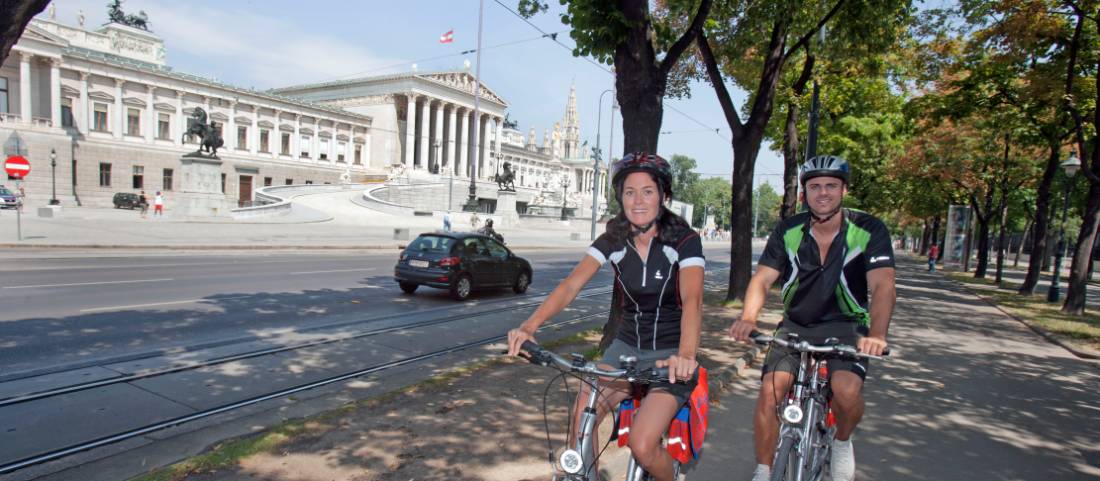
[(242, 247), (1083, 354)]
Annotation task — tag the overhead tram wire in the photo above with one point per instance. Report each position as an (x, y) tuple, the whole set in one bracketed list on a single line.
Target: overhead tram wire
[(554, 38)]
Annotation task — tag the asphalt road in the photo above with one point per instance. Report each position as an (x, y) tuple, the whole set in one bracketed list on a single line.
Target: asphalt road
[(67, 312)]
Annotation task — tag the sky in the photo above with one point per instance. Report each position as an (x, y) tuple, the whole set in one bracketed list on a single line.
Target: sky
[(265, 44)]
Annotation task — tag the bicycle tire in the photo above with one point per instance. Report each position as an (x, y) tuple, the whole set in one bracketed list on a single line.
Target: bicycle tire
[(819, 446), (782, 459)]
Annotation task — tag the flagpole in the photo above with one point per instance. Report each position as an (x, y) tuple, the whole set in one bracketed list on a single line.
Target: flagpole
[(471, 203)]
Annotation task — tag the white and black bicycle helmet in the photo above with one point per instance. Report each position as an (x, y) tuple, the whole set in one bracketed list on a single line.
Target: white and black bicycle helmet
[(824, 166)]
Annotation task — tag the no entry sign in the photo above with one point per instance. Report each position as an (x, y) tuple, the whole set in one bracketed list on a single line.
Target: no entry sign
[(17, 166)]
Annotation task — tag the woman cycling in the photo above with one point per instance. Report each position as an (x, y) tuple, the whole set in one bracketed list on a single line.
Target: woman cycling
[(658, 263)]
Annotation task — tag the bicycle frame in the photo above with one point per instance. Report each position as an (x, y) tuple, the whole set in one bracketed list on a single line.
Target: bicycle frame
[(807, 425)]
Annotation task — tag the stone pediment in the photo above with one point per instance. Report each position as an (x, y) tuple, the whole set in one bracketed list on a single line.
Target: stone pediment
[(464, 82), (220, 117), (68, 91), (101, 96), (266, 124), (164, 106), (37, 33), (286, 127), (242, 120), (133, 102)]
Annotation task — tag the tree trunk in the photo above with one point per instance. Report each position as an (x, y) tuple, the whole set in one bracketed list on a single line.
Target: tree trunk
[(12, 24), (1078, 274), (925, 237), (1039, 228), (1023, 240), (1001, 238), (985, 216), (744, 157), (791, 157)]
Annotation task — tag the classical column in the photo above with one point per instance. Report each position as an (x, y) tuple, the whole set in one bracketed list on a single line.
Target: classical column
[(499, 133), (437, 153), (462, 143), (410, 129), (484, 137), (25, 86), (425, 129), (230, 136), (296, 140), (120, 109), (349, 149), (315, 141), (150, 114), (451, 127), (275, 137), (366, 150), (179, 121), (55, 92), (254, 132), (83, 115)]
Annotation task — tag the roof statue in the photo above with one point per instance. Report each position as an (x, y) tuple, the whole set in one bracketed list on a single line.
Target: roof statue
[(116, 15)]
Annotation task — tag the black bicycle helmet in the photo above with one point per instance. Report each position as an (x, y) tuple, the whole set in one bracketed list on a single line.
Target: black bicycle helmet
[(642, 162), (824, 166)]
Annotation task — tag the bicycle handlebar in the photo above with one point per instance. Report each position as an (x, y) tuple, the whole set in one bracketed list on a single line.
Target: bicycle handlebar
[(542, 357), (805, 346)]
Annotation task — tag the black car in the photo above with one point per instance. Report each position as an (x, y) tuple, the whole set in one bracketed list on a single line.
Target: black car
[(8, 199), (460, 262), (126, 200)]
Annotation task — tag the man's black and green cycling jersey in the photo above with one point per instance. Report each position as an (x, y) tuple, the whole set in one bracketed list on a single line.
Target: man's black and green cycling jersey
[(816, 294)]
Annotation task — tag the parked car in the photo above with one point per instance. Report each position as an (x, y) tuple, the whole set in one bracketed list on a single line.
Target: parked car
[(8, 199), (460, 262), (126, 200)]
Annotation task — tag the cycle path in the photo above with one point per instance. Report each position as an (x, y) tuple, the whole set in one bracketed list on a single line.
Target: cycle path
[(970, 394)]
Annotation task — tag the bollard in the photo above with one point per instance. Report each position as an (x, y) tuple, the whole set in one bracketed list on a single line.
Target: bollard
[(401, 233)]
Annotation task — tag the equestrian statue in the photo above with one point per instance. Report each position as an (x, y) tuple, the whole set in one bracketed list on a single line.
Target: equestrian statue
[(506, 181), (210, 138)]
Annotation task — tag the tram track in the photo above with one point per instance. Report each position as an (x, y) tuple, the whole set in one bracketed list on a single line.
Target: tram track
[(62, 452)]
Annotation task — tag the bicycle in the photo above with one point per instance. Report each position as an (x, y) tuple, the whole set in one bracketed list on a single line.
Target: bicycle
[(807, 423), (579, 462)]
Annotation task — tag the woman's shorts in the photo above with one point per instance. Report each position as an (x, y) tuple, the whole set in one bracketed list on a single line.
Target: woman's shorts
[(647, 358)]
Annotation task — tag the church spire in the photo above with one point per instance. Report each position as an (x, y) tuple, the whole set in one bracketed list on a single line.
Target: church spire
[(571, 124)]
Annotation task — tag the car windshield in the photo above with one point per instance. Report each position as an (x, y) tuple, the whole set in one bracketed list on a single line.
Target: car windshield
[(4, 191), (432, 243)]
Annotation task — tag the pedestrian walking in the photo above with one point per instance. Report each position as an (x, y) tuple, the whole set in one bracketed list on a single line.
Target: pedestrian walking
[(933, 253), (474, 221), (143, 203), (446, 221), (158, 204)]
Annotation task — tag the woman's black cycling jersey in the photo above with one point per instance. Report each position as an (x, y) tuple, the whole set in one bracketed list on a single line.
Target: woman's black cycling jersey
[(650, 290)]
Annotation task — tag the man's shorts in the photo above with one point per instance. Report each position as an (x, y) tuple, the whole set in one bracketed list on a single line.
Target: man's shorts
[(783, 360), (647, 358)]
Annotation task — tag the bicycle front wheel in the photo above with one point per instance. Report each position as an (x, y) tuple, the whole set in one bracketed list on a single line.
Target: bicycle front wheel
[(786, 460)]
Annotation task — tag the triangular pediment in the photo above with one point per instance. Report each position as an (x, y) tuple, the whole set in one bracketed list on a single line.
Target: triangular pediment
[(35, 33), (464, 82)]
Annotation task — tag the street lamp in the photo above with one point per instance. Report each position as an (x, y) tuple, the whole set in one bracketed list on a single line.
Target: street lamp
[(564, 194), (1070, 167), (472, 203), (596, 161), (53, 174)]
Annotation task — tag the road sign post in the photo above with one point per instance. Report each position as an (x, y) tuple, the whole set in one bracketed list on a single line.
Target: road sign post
[(18, 167)]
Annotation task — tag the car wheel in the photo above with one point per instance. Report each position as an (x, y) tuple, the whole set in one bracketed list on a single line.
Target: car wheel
[(408, 287), (522, 281), (461, 288)]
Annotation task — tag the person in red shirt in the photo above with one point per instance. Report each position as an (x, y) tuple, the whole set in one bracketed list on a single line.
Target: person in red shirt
[(933, 254)]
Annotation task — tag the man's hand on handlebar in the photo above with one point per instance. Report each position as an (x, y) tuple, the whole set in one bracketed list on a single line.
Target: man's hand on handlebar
[(741, 329), (875, 346), (516, 337), (679, 368)]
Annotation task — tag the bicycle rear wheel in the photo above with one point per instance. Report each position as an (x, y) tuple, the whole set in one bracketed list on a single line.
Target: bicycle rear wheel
[(785, 460)]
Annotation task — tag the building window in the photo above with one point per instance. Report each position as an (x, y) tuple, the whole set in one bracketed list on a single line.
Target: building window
[(67, 112), (133, 122), (304, 142), (4, 94), (263, 141), (139, 176), (358, 154), (167, 180), (340, 149), (285, 150), (242, 138), (290, 182), (104, 174), (99, 118), (223, 183), (267, 181), (324, 150), (164, 126)]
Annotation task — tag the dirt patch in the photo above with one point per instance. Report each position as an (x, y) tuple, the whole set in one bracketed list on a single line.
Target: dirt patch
[(482, 424)]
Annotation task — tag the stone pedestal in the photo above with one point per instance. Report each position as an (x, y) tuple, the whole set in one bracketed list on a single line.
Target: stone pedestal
[(200, 193), (506, 209)]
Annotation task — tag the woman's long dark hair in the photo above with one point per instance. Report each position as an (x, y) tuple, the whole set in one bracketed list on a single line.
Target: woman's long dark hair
[(670, 227)]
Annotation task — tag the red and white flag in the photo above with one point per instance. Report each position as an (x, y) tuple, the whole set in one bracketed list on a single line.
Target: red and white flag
[(447, 37)]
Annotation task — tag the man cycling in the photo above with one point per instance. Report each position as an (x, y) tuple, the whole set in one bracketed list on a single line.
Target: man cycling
[(658, 262), (828, 258)]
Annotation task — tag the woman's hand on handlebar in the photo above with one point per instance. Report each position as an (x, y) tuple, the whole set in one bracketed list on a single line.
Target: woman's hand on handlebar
[(679, 368), (516, 337)]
